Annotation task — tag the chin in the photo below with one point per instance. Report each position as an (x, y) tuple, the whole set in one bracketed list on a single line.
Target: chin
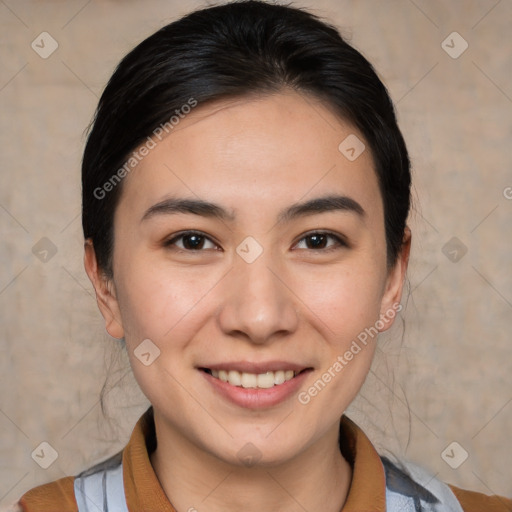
[(257, 451)]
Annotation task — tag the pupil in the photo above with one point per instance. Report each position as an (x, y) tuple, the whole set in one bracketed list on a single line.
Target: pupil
[(193, 241), (318, 241)]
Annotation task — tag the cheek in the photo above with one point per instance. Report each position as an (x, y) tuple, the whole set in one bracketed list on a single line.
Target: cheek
[(344, 301), (160, 302), (344, 307), (164, 307)]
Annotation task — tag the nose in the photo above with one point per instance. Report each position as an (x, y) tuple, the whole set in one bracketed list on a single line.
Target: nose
[(257, 304)]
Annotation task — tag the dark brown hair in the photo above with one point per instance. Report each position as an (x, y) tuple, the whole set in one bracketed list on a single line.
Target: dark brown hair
[(233, 50)]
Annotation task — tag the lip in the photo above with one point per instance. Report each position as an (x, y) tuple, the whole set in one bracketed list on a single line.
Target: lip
[(256, 398), (257, 368)]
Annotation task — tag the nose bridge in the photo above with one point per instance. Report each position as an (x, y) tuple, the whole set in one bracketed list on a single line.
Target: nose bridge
[(256, 302)]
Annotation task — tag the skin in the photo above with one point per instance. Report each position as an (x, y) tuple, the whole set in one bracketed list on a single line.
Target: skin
[(254, 157)]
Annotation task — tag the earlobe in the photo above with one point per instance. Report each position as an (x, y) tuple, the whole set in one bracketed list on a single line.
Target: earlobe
[(105, 293), (390, 303)]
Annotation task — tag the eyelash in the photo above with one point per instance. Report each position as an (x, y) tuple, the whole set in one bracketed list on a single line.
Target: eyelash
[(340, 241)]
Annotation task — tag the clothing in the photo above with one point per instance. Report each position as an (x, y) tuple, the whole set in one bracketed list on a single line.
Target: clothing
[(376, 482)]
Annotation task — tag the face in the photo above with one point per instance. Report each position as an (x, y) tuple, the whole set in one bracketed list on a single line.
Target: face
[(249, 247)]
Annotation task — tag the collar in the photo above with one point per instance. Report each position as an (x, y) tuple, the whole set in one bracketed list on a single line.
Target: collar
[(144, 492)]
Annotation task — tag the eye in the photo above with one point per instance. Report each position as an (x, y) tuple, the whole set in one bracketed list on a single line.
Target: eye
[(190, 241), (320, 241)]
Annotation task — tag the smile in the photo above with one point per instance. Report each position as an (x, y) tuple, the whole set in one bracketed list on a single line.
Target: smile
[(255, 385), (252, 380)]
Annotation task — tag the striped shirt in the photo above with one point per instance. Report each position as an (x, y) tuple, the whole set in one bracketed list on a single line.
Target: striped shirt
[(127, 482)]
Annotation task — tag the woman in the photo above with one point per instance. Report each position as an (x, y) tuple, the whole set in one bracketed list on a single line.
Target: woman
[(245, 197)]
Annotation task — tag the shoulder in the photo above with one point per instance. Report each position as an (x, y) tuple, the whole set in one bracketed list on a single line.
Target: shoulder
[(60, 495), (44, 498), (406, 481), (476, 501), (11, 507)]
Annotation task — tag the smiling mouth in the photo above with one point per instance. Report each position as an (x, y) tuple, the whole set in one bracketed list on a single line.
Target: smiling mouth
[(252, 380)]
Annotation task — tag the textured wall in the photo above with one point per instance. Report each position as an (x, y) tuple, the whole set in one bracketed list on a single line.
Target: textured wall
[(448, 379)]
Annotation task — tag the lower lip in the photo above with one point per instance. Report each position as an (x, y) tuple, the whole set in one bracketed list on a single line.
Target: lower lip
[(257, 398)]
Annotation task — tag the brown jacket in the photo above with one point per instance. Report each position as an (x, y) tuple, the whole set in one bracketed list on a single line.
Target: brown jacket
[(144, 492)]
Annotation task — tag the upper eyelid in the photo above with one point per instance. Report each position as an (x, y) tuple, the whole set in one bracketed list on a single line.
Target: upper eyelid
[(321, 232), (341, 239), (172, 239), (338, 237)]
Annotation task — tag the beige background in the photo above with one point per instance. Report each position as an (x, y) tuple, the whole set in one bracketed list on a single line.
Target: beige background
[(453, 368)]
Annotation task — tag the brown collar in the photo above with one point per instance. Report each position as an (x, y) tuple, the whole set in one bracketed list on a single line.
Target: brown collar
[(143, 490)]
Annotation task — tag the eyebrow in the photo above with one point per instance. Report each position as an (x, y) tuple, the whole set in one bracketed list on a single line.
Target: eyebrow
[(203, 208)]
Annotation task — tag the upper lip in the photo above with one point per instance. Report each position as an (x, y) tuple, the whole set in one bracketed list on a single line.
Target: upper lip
[(257, 368)]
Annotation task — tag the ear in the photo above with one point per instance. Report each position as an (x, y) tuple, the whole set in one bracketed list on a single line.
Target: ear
[(390, 303), (105, 292)]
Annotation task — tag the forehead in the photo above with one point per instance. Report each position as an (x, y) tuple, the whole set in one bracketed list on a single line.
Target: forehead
[(271, 148)]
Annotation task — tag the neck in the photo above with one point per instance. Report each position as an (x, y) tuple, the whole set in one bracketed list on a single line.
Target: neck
[(318, 479)]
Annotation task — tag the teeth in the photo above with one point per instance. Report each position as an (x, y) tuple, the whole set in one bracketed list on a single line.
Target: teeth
[(234, 378), (249, 380), (265, 380), (252, 380)]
